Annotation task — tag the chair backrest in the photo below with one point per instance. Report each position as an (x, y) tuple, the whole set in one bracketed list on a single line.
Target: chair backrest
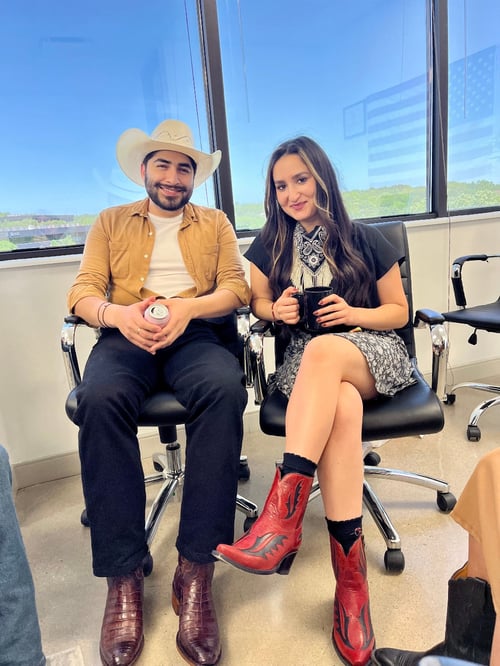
[(395, 232)]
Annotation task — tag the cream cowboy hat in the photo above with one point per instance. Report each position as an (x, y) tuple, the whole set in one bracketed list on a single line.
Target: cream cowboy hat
[(134, 144)]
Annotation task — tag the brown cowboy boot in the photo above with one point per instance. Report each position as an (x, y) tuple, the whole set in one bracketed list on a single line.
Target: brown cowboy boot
[(272, 542), (122, 636), (470, 621), (352, 634), (198, 636)]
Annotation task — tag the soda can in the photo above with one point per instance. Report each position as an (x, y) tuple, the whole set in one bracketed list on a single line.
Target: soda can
[(157, 313)]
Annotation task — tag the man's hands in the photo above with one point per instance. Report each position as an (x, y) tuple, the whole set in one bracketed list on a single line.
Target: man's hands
[(129, 319)]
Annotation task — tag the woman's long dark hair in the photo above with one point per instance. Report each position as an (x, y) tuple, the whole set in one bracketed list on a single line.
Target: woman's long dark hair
[(351, 276)]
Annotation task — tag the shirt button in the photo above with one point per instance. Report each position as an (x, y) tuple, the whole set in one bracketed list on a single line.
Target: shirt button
[(142, 279), (150, 233), (146, 256)]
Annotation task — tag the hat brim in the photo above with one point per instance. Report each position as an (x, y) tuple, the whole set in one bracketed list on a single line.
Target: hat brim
[(134, 144)]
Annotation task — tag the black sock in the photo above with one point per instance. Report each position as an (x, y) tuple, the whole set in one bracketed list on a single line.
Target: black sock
[(346, 532), (298, 464)]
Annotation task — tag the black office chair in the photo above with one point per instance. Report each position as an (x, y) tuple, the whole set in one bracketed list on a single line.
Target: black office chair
[(481, 318), (163, 411), (416, 410)]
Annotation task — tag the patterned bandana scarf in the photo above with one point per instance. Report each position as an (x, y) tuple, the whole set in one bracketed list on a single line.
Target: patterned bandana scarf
[(309, 268)]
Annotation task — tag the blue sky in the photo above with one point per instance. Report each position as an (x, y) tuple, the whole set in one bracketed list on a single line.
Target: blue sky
[(75, 75)]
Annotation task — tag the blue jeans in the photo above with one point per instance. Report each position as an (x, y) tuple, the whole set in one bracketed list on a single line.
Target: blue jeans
[(208, 380), (20, 641)]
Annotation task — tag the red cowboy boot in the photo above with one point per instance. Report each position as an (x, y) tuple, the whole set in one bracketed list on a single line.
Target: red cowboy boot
[(352, 633), (272, 542), (198, 637), (122, 637)]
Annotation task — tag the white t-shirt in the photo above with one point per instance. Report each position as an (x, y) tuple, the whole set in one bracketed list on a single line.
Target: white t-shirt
[(167, 275)]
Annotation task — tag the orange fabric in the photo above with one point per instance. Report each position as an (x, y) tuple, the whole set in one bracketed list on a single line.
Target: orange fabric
[(478, 512)]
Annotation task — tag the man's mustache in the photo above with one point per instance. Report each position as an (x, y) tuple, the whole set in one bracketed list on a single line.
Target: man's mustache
[(176, 188)]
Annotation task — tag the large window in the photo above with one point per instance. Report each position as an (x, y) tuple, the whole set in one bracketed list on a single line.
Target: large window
[(74, 75), (352, 75), (474, 104), (402, 94)]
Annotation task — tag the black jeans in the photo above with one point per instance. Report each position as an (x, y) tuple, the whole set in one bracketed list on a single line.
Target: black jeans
[(207, 379)]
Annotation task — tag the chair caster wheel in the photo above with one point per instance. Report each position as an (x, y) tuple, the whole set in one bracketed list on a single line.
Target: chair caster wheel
[(473, 433), (147, 565), (244, 471), (394, 561), (450, 399), (84, 519), (249, 522), (446, 502), (372, 459)]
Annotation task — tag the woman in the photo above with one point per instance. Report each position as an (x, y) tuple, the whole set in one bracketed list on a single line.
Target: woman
[(308, 239)]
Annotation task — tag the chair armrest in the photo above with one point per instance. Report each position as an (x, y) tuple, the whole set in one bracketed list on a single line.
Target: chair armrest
[(68, 331), (255, 350), (262, 326), (243, 332), (440, 347), (456, 275), (427, 316)]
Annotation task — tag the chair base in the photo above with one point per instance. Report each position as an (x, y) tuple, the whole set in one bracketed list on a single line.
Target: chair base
[(394, 558), (171, 472), (473, 430)]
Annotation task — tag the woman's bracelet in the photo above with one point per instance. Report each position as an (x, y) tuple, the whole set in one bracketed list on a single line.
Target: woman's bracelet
[(273, 314)]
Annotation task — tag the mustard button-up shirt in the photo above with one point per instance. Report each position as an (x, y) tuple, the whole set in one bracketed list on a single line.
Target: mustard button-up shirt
[(118, 251)]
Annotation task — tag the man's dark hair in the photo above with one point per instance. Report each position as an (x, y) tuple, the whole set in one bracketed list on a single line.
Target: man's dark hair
[(150, 155)]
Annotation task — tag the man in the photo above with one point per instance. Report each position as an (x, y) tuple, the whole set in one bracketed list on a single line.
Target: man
[(20, 641), (185, 257)]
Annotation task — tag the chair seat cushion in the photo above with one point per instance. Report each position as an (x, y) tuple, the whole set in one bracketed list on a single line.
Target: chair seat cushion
[(415, 410), (160, 409), (484, 317)]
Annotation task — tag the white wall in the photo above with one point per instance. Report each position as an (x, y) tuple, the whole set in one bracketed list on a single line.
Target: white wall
[(433, 247), (33, 425)]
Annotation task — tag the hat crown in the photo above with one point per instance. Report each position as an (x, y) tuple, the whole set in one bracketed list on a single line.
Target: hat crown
[(174, 131), (134, 145)]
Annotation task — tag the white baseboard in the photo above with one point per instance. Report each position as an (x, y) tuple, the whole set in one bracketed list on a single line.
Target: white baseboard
[(480, 372)]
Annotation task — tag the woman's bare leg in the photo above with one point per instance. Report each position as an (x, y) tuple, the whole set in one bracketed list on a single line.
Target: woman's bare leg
[(340, 468), (311, 414)]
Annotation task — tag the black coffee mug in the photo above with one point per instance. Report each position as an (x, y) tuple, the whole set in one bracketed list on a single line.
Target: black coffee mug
[(312, 296)]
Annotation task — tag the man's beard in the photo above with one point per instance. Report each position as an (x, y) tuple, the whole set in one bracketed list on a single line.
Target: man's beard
[(167, 202)]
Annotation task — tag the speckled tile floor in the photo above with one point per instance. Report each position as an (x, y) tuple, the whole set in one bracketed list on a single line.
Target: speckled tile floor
[(268, 620)]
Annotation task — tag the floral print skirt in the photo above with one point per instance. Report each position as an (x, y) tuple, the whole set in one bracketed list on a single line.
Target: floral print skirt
[(385, 353)]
